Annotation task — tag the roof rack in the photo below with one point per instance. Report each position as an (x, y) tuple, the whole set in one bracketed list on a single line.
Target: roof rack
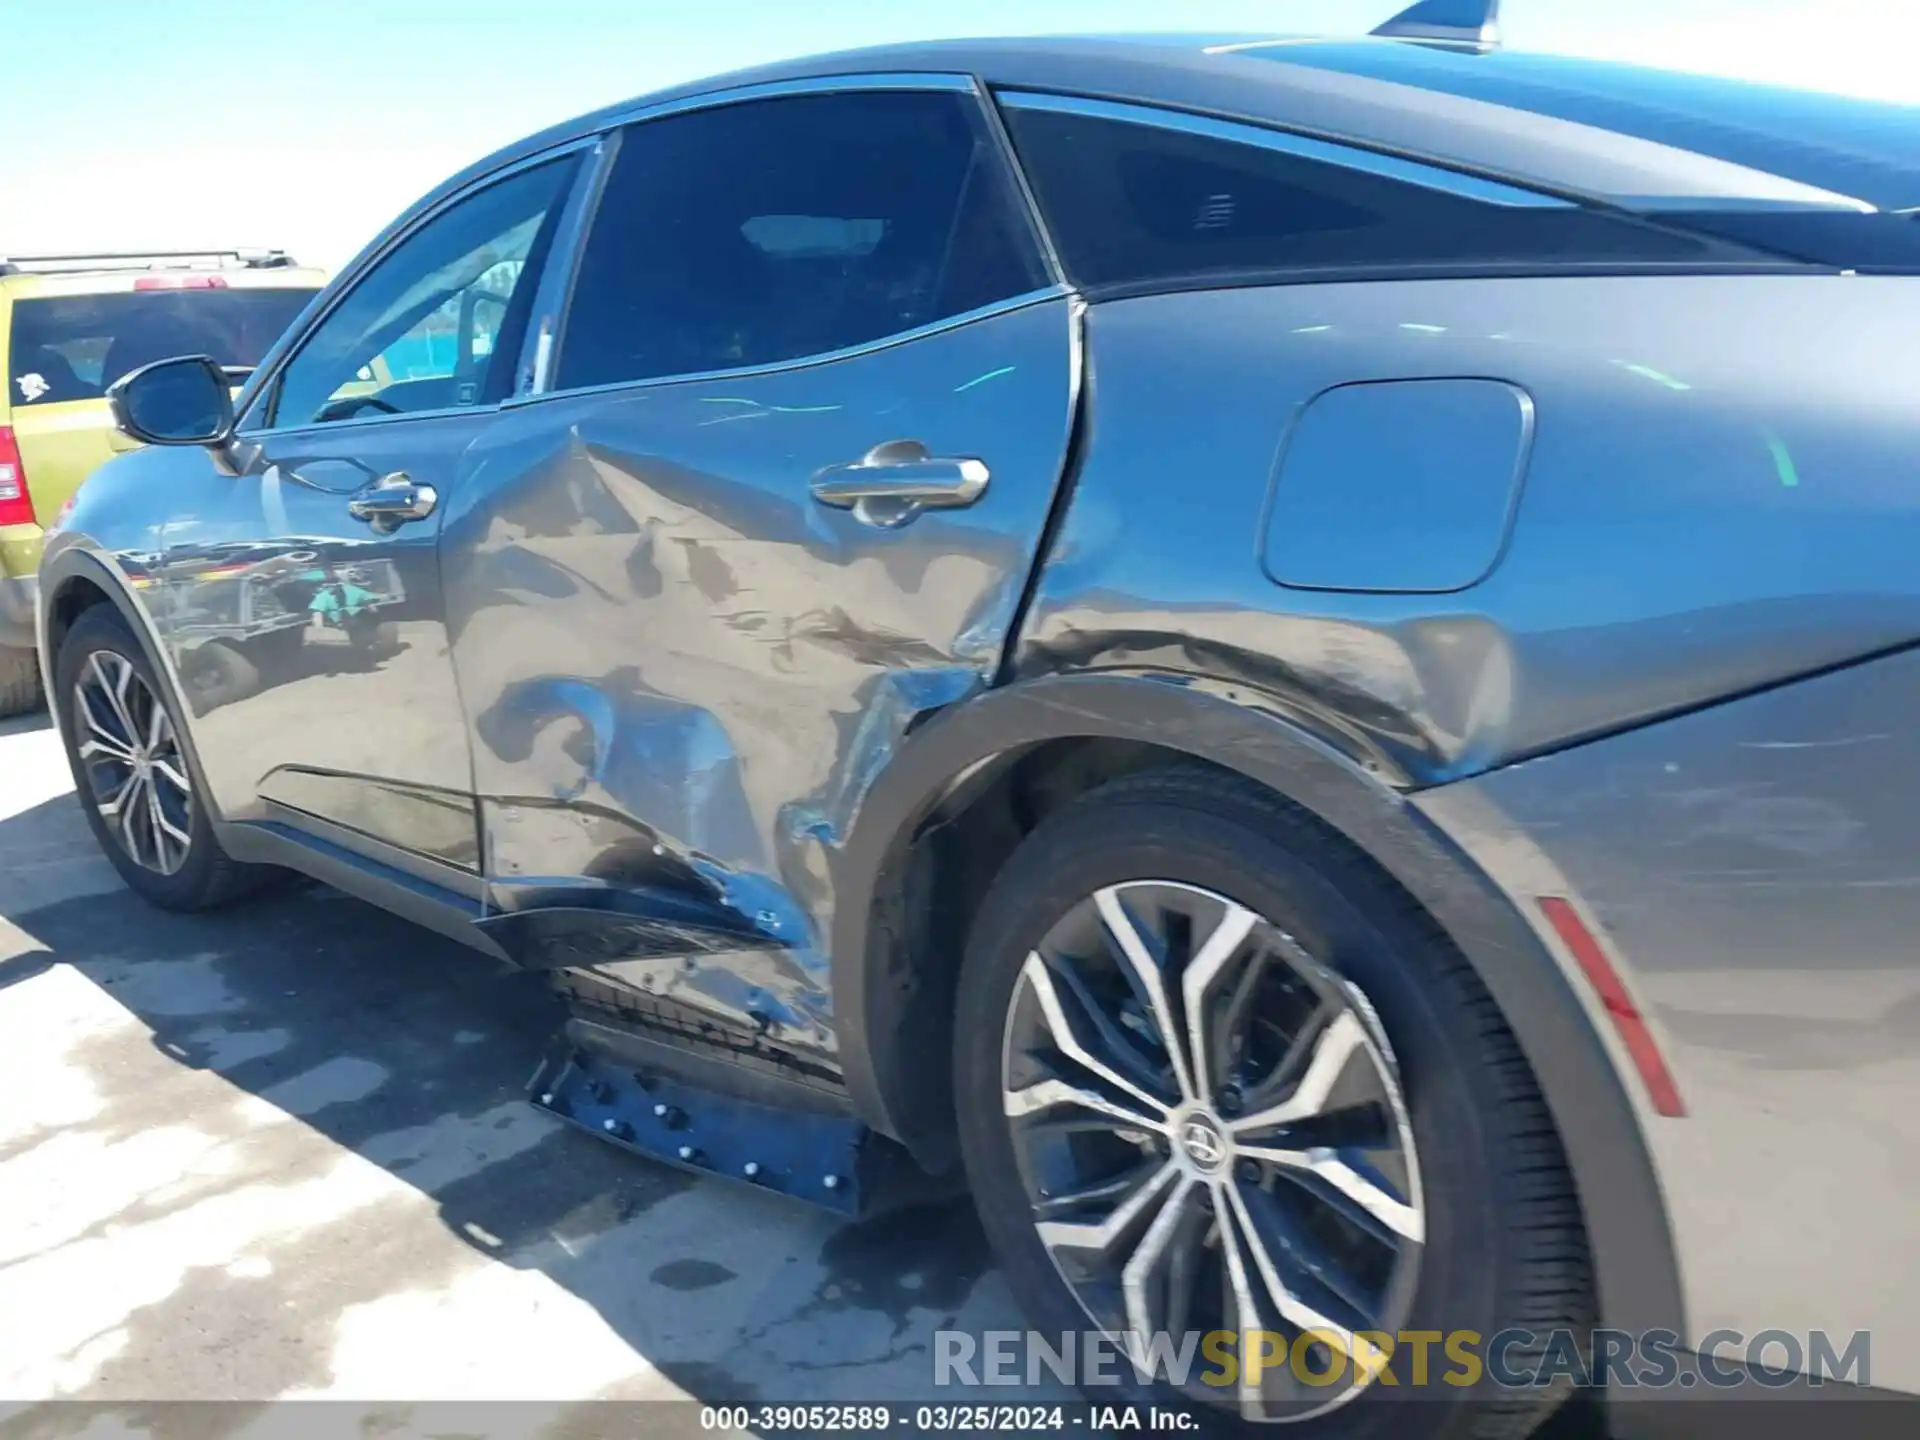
[(144, 260), (1474, 23)]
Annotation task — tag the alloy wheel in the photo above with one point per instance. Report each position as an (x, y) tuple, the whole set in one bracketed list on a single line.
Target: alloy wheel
[(133, 764), (1210, 1129)]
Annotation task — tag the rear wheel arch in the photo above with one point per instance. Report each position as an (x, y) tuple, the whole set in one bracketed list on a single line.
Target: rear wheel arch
[(966, 785)]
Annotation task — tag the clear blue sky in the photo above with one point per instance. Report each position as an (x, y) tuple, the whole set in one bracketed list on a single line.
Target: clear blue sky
[(307, 124)]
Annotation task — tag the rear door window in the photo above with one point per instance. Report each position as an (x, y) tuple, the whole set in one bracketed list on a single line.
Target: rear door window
[(770, 230), (72, 347)]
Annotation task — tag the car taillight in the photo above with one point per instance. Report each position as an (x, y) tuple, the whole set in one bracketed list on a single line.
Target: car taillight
[(16, 506), (181, 282)]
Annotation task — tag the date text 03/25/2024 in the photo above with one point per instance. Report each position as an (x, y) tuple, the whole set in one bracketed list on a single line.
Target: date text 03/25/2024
[(1003, 1419)]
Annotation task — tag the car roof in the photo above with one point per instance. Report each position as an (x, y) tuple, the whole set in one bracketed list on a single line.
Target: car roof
[(1618, 133), (1861, 148), (1614, 134)]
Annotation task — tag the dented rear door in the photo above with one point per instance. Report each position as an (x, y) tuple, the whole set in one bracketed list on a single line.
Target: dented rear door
[(692, 613)]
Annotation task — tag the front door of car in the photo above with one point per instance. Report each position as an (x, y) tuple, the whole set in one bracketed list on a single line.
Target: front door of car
[(301, 599), (810, 406)]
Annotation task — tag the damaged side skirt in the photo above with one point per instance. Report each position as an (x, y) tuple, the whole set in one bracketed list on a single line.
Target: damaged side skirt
[(709, 1059), (721, 1116)]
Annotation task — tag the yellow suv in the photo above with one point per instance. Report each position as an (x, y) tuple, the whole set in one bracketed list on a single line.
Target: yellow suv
[(70, 325)]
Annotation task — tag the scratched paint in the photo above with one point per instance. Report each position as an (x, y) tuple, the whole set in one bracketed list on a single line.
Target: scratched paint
[(1756, 873), (1643, 573)]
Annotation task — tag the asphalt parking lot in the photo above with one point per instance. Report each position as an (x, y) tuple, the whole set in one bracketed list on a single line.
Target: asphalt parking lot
[(283, 1152)]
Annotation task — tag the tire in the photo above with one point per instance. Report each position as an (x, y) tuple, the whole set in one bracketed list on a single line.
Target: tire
[(218, 674), (19, 682), (1489, 1237), (202, 875)]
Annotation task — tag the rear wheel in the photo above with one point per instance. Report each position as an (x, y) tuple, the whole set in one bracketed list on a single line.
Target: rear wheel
[(135, 781), (1216, 1074), (19, 681)]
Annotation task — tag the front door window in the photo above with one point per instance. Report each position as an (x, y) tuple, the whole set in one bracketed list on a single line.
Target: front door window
[(436, 324)]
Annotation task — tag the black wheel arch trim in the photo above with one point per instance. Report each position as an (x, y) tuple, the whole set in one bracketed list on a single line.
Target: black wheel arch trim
[(1636, 1270)]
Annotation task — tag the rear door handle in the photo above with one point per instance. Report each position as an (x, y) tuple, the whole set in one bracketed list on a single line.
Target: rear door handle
[(892, 483), (391, 501)]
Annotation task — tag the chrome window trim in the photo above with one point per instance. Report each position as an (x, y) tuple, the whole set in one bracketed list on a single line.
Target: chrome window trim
[(1234, 47), (996, 124), (1012, 303), (1285, 142), (553, 300), (361, 422), (1748, 205), (353, 422), (269, 386)]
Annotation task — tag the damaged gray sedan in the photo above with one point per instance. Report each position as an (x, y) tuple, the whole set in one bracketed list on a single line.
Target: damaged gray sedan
[(1292, 659)]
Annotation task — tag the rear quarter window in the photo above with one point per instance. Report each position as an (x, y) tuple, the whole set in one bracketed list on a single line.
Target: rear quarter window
[(72, 347), (1138, 201)]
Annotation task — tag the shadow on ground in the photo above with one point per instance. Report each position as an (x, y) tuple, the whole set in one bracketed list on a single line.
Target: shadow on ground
[(412, 1053), (21, 724)]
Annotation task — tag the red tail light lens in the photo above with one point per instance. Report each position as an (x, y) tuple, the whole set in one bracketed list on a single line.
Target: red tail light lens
[(180, 282), (16, 506)]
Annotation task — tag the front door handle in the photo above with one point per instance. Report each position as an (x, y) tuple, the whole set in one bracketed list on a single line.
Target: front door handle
[(391, 501), (894, 482)]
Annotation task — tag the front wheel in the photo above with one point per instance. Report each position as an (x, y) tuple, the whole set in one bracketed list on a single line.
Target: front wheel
[(1225, 1092), (135, 780)]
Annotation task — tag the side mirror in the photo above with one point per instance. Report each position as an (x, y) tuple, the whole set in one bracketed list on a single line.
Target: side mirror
[(174, 402)]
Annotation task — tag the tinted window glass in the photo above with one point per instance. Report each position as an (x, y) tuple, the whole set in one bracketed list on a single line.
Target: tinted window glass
[(72, 347), (1134, 202), (762, 232), (423, 329)]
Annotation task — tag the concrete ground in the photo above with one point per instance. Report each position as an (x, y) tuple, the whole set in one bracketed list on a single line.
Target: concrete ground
[(283, 1151)]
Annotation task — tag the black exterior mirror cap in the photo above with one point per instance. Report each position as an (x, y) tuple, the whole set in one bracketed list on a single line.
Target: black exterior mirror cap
[(183, 401)]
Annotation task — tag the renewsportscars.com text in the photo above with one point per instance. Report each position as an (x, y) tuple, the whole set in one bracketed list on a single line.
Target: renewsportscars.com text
[(1416, 1359)]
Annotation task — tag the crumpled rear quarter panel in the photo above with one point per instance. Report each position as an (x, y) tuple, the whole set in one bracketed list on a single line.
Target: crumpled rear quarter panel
[(1723, 490)]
